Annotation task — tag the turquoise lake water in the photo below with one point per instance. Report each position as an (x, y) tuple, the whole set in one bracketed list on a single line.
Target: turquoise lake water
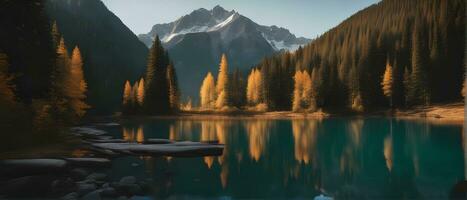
[(372, 158)]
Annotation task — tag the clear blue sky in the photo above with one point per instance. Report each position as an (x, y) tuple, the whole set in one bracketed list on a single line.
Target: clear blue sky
[(307, 18)]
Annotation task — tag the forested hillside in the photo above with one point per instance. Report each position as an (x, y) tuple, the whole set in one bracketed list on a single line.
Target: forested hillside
[(419, 43), (42, 86), (111, 52)]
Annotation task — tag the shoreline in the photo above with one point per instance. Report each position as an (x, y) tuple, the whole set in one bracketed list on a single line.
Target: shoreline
[(452, 113)]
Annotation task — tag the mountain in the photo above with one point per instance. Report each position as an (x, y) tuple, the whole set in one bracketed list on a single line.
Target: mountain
[(111, 52), (196, 42)]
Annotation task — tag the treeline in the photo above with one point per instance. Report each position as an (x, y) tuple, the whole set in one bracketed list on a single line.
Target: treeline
[(158, 91), (416, 46), (42, 86)]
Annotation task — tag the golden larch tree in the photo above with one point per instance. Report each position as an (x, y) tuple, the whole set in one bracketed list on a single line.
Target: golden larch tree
[(140, 92), (7, 96), (207, 92), (77, 84), (298, 90), (127, 93), (222, 83), (387, 83)]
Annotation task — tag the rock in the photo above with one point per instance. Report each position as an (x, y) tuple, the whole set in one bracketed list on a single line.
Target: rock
[(88, 162), (78, 174), (108, 192), (129, 189), (127, 180), (87, 131), (97, 177), (108, 141), (105, 185), (107, 124), (27, 167), (28, 186), (157, 141), (139, 198), (134, 164), (181, 149), (62, 186), (94, 195), (70, 196), (122, 198), (84, 188)]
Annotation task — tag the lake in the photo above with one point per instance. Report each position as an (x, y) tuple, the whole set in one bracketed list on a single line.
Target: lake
[(370, 158)]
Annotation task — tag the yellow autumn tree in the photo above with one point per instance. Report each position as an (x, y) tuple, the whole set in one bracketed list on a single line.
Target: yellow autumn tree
[(222, 84), (254, 85), (77, 86), (127, 94), (303, 95), (207, 92), (387, 83), (7, 96), (140, 92), (298, 89)]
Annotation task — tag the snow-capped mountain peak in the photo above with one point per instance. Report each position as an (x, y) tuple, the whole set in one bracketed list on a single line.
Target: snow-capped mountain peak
[(216, 20)]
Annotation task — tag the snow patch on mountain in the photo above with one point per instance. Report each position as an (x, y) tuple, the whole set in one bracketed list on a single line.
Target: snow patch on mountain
[(280, 45), (224, 23), (194, 29), (198, 29)]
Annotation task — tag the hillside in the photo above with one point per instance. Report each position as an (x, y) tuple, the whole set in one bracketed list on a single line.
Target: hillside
[(420, 42), (111, 52)]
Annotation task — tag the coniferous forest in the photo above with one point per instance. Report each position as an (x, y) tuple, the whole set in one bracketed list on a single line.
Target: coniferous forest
[(394, 54)]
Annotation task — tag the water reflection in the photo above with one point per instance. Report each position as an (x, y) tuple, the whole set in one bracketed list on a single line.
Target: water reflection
[(345, 158)]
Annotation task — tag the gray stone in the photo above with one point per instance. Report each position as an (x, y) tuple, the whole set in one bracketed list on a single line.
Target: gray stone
[(108, 192), (128, 180), (97, 176), (94, 195), (70, 196), (79, 174), (84, 188)]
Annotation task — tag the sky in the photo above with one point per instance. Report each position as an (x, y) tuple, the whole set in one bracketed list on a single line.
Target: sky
[(307, 18)]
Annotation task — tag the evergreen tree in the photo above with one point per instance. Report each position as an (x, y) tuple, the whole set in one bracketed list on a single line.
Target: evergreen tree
[(222, 84), (157, 90), (174, 94), (419, 80)]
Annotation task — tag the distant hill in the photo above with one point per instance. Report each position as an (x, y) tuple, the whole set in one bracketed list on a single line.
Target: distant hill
[(197, 40), (111, 52)]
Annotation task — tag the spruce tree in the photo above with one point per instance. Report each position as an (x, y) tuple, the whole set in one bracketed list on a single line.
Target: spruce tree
[(419, 80), (174, 93), (157, 90)]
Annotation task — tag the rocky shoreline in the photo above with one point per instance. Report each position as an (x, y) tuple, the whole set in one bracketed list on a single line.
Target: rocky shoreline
[(84, 177)]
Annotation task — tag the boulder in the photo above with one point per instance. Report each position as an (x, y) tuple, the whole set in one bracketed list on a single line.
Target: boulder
[(70, 196), (88, 162), (127, 180), (94, 195), (96, 177), (85, 188), (28, 186), (27, 167), (78, 174)]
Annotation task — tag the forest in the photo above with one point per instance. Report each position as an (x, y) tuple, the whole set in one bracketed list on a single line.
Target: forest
[(408, 56)]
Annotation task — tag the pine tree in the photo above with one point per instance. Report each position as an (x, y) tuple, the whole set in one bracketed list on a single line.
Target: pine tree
[(208, 92), (409, 95), (419, 83), (55, 35), (387, 83), (174, 94), (59, 85), (77, 85), (157, 90), (222, 84), (140, 93)]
